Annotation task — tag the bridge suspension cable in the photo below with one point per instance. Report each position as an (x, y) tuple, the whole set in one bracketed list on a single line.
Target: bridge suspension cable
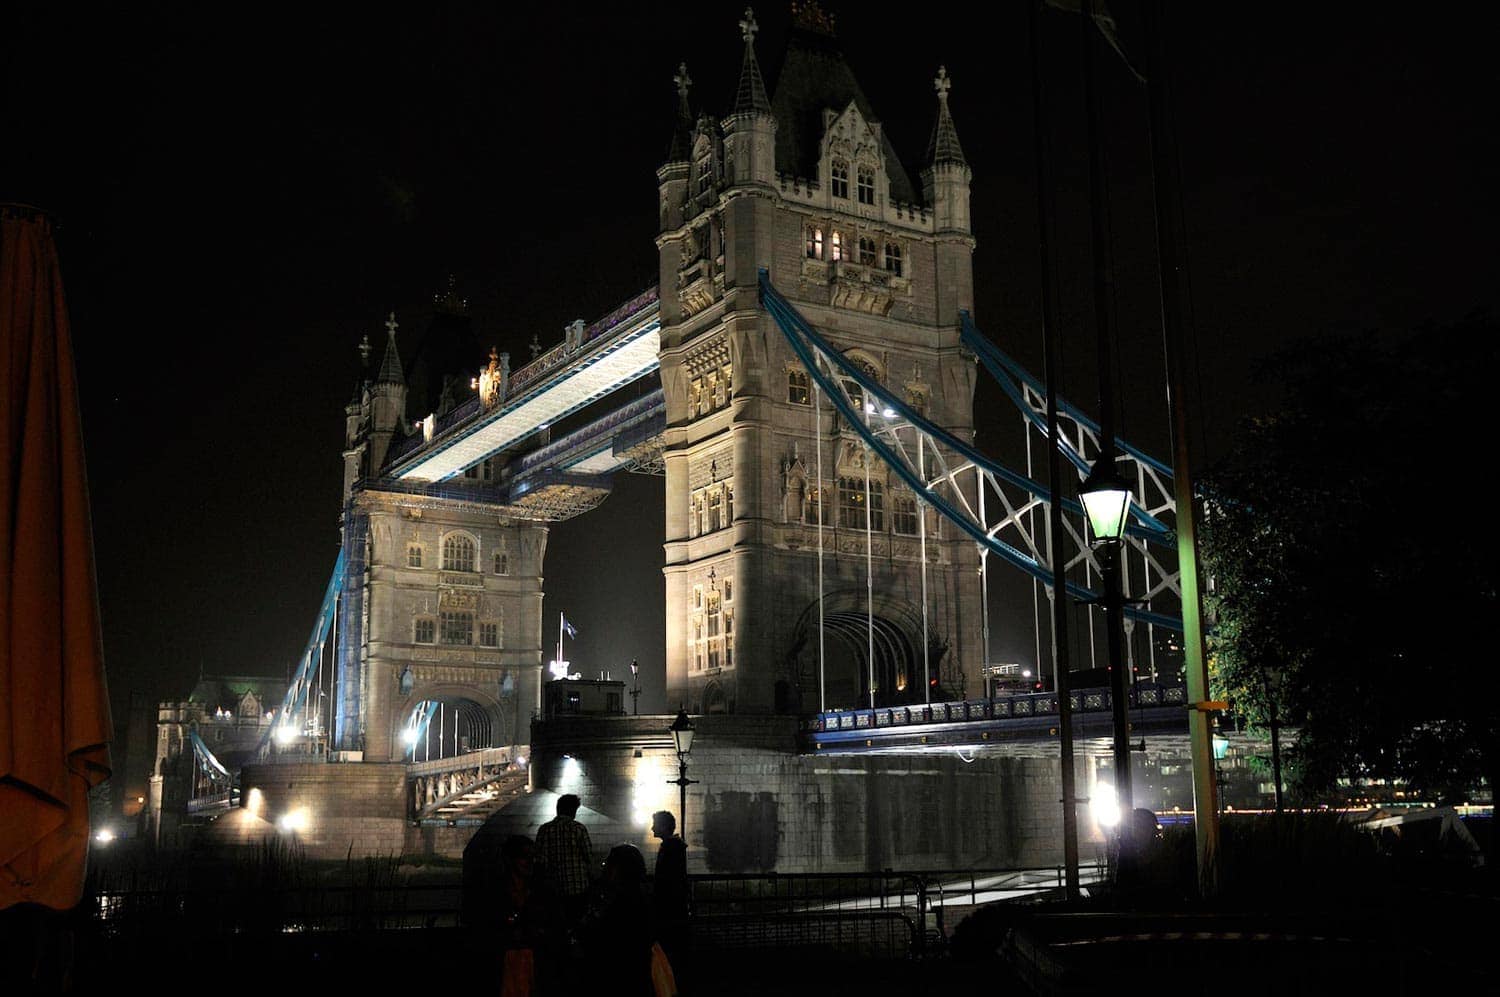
[(935, 464)]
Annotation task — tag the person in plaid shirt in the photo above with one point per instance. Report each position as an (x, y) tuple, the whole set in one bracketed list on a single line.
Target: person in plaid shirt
[(565, 850)]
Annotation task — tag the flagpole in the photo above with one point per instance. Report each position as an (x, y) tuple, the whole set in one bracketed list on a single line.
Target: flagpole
[(559, 634)]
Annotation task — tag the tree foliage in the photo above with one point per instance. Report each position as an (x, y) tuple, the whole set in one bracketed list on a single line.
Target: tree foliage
[(1351, 545)]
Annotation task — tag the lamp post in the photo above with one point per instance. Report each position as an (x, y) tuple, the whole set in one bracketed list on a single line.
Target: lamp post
[(682, 740), (635, 691), (1106, 500)]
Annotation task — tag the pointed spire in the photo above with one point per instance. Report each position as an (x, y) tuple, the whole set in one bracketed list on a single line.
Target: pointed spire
[(390, 367), (944, 147), (751, 97), (682, 131)]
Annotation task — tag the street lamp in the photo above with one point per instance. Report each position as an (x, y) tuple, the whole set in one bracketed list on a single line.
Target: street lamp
[(682, 740), (1106, 500), (635, 692)]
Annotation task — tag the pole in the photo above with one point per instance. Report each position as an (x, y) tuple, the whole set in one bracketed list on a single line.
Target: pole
[(1174, 321), (1104, 291), (869, 578), (984, 576), (1051, 372), (818, 436), (922, 532)]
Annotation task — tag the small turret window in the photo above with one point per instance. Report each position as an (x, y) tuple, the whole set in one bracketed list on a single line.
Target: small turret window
[(866, 185), (840, 179), (815, 244), (893, 258), (797, 387), (866, 252)]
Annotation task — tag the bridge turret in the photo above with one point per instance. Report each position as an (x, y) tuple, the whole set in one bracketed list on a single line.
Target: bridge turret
[(387, 411), (750, 130), (672, 181), (945, 186)]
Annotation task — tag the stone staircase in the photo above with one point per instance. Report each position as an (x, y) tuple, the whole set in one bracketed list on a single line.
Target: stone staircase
[(475, 805)]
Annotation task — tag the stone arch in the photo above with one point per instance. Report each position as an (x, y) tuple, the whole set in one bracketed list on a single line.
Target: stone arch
[(897, 639), (470, 719), (714, 700)]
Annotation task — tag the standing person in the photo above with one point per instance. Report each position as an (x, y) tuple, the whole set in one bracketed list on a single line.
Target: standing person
[(617, 941), (669, 895), (565, 850)]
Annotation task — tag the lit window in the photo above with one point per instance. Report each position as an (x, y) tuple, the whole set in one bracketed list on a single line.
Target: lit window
[(840, 180), (728, 502), (810, 508), (695, 396), (852, 513), (797, 388), (856, 394), (489, 635), (866, 252), (838, 247), (904, 514), (502, 563), (457, 628), (697, 596), (893, 258), (424, 632), (458, 553), (866, 185), (815, 244), (413, 555)]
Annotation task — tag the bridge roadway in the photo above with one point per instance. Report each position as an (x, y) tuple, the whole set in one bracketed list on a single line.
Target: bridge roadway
[(1024, 724)]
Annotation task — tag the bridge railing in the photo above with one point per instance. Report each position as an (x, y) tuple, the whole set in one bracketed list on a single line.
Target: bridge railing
[(1142, 694)]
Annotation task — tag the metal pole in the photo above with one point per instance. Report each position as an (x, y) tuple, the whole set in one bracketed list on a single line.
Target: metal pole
[(984, 576), (922, 532), (869, 578), (1174, 322), (818, 436), (1051, 373), (1104, 291)]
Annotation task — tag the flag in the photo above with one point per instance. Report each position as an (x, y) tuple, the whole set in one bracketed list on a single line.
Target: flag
[(569, 628)]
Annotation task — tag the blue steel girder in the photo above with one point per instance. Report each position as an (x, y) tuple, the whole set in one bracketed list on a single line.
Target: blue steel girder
[(936, 465), (307, 666)]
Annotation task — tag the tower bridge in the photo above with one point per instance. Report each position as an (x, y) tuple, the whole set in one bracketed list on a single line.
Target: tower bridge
[(805, 371)]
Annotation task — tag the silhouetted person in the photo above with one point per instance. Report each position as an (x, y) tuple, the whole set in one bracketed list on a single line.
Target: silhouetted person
[(568, 857), (669, 895), (617, 943)]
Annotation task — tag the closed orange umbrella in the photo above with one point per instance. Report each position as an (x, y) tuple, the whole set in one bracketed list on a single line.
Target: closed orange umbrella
[(54, 710)]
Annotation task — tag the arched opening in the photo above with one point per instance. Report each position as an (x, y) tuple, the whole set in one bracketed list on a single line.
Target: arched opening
[(850, 633), (446, 727)]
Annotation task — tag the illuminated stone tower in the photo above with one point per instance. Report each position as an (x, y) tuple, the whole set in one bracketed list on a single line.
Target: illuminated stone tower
[(808, 186)]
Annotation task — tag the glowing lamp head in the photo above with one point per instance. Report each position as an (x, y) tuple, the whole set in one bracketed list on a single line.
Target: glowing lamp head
[(286, 734), (682, 733), (1106, 499), (1105, 806)]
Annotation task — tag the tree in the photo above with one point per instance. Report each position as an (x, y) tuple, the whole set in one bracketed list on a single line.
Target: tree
[(1354, 582)]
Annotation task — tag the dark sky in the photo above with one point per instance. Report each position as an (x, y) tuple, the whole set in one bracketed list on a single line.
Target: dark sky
[(241, 200)]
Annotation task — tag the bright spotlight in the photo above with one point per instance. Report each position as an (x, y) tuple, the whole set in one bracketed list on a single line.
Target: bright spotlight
[(409, 736), (572, 773), (293, 820), (104, 836), (1105, 806), (285, 734), (889, 413)]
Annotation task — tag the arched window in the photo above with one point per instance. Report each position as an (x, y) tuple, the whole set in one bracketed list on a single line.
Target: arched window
[(866, 252), (456, 628), (502, 563), (904, 513), (810, 507), (840, 178), (458, 552), (852, 504), (424, 632), (815, 244), (413, 555), (893, 258), (838, 247), (797, 388), (866, 184)]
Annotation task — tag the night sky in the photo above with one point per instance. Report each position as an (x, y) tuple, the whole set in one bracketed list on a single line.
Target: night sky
[(239, 201)]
